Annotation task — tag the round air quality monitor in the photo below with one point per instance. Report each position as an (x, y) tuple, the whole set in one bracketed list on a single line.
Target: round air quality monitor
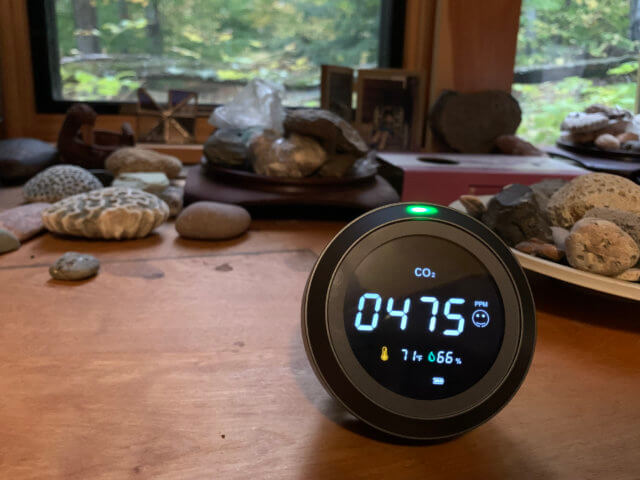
[(419, 320)]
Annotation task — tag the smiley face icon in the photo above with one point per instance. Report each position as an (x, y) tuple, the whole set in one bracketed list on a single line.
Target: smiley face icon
[(480, 318)]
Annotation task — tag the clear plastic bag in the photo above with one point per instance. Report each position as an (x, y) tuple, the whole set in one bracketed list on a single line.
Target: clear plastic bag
[(259, 104)]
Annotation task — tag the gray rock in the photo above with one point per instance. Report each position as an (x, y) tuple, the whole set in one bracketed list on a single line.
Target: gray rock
[(515, 216), (544, 189), (74, 266), (559, 237), (22, 158), (152, 182), (136, 159), (571, 202), (212, 221), (58, 182), (227, 147), (292, 157), (600, 246), (627, 221), (24, 221), (173, 197), (8, 241), (109, 213), (333, 132)]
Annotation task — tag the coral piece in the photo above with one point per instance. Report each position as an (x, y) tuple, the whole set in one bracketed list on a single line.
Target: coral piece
[(61, 181)]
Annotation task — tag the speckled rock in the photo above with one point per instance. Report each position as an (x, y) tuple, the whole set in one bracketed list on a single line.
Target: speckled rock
[(108, 213), (58, 182), (22, 158), (600, 246), (631, 275), (8, 241), (152, 182), (627, 221), (74, 266), (24, 221), (571, 202), (135, 159), (212, 221), (173, 197)]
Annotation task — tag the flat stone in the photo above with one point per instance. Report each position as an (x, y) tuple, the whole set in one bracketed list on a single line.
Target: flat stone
[(212, 221), (293, 157), (571, 202), (333, 132), (74, 266), (22, 158), (600, 246), (227, 147), (627, 221), (8, 241), (541, 249), (136, 159), (516, 217), (58, 182), (631, 275), (111, 213), (173, 197), (152, 182), (24, 221)]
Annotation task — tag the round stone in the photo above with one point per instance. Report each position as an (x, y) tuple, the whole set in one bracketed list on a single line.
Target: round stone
[(24, 221), (600, 246), (136, 159), (8, 241), (173, 196), (58, 182), (74, 266), (212, 221), (152, 182), (571, 202), (22, 158), (627, 221)]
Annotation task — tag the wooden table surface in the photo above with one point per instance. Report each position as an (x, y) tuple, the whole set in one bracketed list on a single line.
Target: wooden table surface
[(183, 360)]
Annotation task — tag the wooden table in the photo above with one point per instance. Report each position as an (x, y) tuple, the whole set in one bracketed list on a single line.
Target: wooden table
[(183, 360)]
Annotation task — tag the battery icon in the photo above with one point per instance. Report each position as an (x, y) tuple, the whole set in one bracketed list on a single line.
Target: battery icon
[(437, 380)]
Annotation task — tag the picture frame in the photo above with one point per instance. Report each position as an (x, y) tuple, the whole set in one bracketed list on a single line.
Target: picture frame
[(336, 90), (390, 113)]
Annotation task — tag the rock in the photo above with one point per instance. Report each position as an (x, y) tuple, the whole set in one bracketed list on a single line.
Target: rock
[(633, 145), (332, 131), (58, 182), (631, 275), (108, 213), (473, 205), (610, 112), (22, 158), (571, 202), (8, 241), (105, 176), (212, 221), (541, 249), (24, 221), (471, 122), (544, 189), (292, 157), (600, 246), (580, 122), (514, 145), (173, 197), (627, 137), (227, 147), (338, 165), (74, 266), (606, 141), (134, 159), (627, 221), (515, 216), (152, 182), (560, 237)]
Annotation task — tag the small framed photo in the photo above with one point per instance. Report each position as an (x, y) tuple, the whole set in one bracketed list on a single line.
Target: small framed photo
[(336, 91), (390, 112)]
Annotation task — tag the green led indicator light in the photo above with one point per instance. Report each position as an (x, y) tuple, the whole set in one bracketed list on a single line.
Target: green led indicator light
[(421, 210), (431, 357)]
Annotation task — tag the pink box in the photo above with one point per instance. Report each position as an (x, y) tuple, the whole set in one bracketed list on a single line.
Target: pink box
[(442, 177)]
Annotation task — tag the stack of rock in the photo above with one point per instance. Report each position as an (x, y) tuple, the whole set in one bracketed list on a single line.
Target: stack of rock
[(593, 221), (315, 143), (608, 128)]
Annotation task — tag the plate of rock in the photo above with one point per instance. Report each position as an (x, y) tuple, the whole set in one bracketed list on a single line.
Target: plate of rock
[(585, 232)]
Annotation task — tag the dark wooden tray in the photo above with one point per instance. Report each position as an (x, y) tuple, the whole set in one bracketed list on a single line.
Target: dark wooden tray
[(593, 151)]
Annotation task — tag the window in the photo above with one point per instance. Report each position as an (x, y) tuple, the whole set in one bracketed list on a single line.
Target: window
[(101, 51), (572, 53)]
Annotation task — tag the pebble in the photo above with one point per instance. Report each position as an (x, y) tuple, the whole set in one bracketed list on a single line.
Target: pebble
[(8, 241), (571, 202), (22, 158), (136, 159), (173, 196), (541, 249), (600, 246), (111, 213), (606, 141), (560, 237), (473, 205), (58, 182), (631, 275), (212, 221), (152, 182), (24, 221), (74, 266)]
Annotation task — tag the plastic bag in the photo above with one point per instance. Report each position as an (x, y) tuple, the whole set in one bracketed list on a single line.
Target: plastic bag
[(259, 104)]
